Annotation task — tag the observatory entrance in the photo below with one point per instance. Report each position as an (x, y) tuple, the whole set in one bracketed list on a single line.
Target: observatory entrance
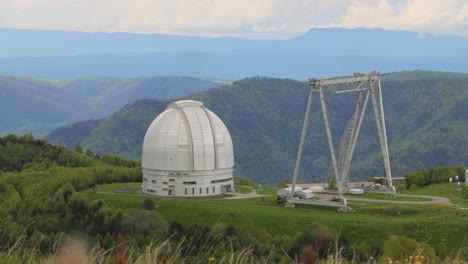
[(366, 86), (226, 188)]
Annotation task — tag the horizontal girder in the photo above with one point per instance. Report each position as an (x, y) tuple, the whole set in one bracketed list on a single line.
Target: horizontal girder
[(345, 79)]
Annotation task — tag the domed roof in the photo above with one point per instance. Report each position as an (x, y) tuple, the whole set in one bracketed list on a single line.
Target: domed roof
[(187, 137)]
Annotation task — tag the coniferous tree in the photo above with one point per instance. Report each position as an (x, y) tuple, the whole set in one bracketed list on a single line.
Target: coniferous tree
[(79, 149)]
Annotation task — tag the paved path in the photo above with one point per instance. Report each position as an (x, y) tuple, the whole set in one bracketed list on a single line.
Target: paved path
[(433, 199), (253, 193), (238, 195)]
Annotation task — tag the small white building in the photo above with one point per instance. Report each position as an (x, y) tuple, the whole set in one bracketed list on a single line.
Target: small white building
[(285, 192), (466, 177), (306, 194), (187, 152)]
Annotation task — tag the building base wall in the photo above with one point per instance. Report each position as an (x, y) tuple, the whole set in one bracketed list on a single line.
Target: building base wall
[(187, 184)]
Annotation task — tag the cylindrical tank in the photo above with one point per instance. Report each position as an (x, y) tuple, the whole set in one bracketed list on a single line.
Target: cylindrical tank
[(316, 189), (356, 191)]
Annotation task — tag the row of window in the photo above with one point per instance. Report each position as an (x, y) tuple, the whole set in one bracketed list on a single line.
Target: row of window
[(178, 173), (222, 180), (190, 182), (200, 190), (154, 181)]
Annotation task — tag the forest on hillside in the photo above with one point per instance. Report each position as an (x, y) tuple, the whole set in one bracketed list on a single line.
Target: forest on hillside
[(38, 105), (45, 198), (425, 116)]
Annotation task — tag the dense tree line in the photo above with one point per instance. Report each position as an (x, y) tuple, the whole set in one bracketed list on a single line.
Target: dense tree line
[(120, 161), (40, 193), (424, 177)]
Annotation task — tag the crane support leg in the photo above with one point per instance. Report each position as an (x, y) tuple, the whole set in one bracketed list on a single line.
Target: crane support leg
[(299, 151)]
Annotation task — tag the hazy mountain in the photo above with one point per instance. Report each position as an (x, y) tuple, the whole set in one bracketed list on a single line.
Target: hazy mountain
[(38, 106), (317, 53), (425, 113)]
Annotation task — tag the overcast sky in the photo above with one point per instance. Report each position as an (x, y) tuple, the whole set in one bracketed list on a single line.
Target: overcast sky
[(278, 19)]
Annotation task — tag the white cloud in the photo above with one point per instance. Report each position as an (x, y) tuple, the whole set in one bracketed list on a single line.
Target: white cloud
[(247, 18), (440, 17)]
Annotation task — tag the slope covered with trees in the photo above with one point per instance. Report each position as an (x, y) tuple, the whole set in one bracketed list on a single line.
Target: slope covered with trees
[(48, 193), (37, 106), (425, 115), (39, 198)]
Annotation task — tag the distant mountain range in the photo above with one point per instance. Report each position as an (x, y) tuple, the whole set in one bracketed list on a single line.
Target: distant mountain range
[(426, 116), (317, 53), (32, 105)]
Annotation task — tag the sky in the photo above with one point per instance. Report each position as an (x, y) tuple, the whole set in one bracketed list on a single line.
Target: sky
[(258, 19)]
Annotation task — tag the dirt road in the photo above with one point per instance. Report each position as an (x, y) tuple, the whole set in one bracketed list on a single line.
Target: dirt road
[(236, 195)]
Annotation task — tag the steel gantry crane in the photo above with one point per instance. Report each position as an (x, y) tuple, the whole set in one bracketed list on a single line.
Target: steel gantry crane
[(358, 83)]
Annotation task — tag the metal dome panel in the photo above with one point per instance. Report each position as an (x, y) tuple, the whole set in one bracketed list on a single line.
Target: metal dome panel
[(187, 137)]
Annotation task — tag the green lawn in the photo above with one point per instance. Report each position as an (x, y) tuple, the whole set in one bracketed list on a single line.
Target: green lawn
[(122, 201), (268, 190), (380, 196), (447, 190), (243, 189), (370, 222), (435, 189), (132, 187)]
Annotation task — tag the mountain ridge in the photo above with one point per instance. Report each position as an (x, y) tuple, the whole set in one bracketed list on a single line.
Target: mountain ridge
[(39, 105), (265, 115), (318, 52)]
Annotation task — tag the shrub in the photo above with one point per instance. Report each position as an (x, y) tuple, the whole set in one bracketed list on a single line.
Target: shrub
[(148, 204)]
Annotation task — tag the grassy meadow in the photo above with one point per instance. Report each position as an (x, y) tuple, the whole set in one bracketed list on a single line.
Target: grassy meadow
[(369, 222)]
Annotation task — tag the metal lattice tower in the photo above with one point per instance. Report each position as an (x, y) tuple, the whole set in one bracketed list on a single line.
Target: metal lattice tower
[(359, 83), (344, 154)]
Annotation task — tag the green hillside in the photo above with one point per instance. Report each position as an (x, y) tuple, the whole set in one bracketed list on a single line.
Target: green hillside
[(425, 115), (49, 193), (37, 106), (39, 199)]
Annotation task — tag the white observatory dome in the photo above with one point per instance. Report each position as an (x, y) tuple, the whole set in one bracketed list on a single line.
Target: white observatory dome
[(187, 151)]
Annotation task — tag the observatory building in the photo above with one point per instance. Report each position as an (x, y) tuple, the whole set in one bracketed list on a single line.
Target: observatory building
[(187, 152)]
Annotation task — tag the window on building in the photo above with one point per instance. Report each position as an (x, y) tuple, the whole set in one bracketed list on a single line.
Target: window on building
[(171, 180), (200, 190), (185, 190), (164, 182), (207, 190), (214, 189), (190, 182), (193, 190), (153, 181), (222, 180)]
